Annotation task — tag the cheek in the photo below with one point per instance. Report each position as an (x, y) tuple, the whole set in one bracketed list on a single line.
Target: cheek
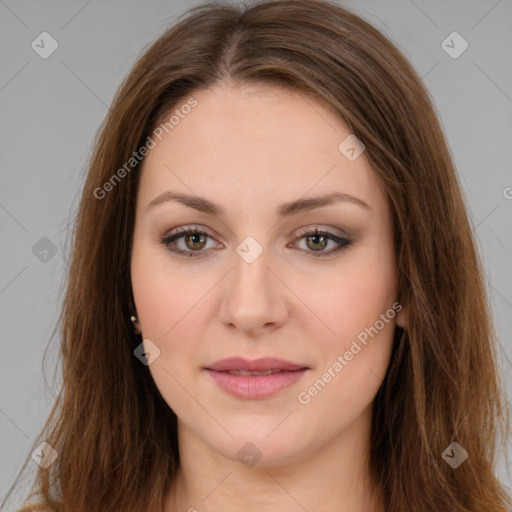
[(344, 385), (350, 299), (170, 306), (157, 290), (169, 320), (354, 347)]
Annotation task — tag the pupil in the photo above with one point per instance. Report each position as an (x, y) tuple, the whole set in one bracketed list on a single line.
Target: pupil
[(315, 237), (194, 238)]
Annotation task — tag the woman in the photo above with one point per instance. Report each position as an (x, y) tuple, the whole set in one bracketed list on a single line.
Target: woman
[(275, 301)]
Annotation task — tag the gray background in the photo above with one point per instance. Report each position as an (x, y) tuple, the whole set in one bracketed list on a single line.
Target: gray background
[(51, 108)]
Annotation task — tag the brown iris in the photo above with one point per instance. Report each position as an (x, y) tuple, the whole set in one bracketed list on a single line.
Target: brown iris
[(198, 241), (319, 245)]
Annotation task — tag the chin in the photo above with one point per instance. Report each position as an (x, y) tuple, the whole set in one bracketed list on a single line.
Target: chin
[(257, 447)]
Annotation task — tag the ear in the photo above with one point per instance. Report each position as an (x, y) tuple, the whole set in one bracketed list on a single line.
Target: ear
[(131, 302), (133, 310), (401, 318)]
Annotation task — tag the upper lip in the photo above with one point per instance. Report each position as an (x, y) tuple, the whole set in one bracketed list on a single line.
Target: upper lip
[(256, 365)]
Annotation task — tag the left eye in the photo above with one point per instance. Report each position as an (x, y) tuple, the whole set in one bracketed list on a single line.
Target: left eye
[(196, 239), (318, 240)]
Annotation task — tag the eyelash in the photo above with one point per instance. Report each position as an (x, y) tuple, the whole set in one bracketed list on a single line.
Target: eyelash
[(343, 242)]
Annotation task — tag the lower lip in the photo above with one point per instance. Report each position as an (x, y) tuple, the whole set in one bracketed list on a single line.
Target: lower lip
[(257, 386)]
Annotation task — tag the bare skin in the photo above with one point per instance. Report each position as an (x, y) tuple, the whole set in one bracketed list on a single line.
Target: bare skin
[(250, 150)]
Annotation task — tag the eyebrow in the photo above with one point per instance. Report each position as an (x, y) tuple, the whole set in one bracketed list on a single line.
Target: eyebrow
[(291, 208)]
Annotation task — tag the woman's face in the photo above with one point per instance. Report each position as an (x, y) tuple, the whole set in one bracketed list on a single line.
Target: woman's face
[(260, 283)]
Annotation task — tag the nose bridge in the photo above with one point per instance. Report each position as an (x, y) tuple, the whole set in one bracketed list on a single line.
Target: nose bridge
[(251, 267), (250, 276), (252, 297)]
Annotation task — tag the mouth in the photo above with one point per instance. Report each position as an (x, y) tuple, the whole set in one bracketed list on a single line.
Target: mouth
[(246, 373), (257, 379)]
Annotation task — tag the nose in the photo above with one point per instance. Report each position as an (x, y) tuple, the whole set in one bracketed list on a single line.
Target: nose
[(255, 300)]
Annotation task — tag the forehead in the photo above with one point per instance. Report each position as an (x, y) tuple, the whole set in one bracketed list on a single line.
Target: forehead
[(265, 121), (255, 143)]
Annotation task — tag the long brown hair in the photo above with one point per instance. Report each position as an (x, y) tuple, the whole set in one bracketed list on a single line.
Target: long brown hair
[(114, 433)]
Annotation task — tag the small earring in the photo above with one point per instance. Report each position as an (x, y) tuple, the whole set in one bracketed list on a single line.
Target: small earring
[(134, 319)]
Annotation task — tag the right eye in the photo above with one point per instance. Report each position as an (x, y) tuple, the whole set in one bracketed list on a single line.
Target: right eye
[(195, 240)]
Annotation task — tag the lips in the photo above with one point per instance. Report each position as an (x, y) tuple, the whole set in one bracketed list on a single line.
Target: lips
[(247, 373), (264, 364), (257, 379)]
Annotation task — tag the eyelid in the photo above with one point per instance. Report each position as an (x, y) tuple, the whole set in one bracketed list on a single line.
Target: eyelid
[(320, 227), (342, 240), (188, 228), (301, 232)]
